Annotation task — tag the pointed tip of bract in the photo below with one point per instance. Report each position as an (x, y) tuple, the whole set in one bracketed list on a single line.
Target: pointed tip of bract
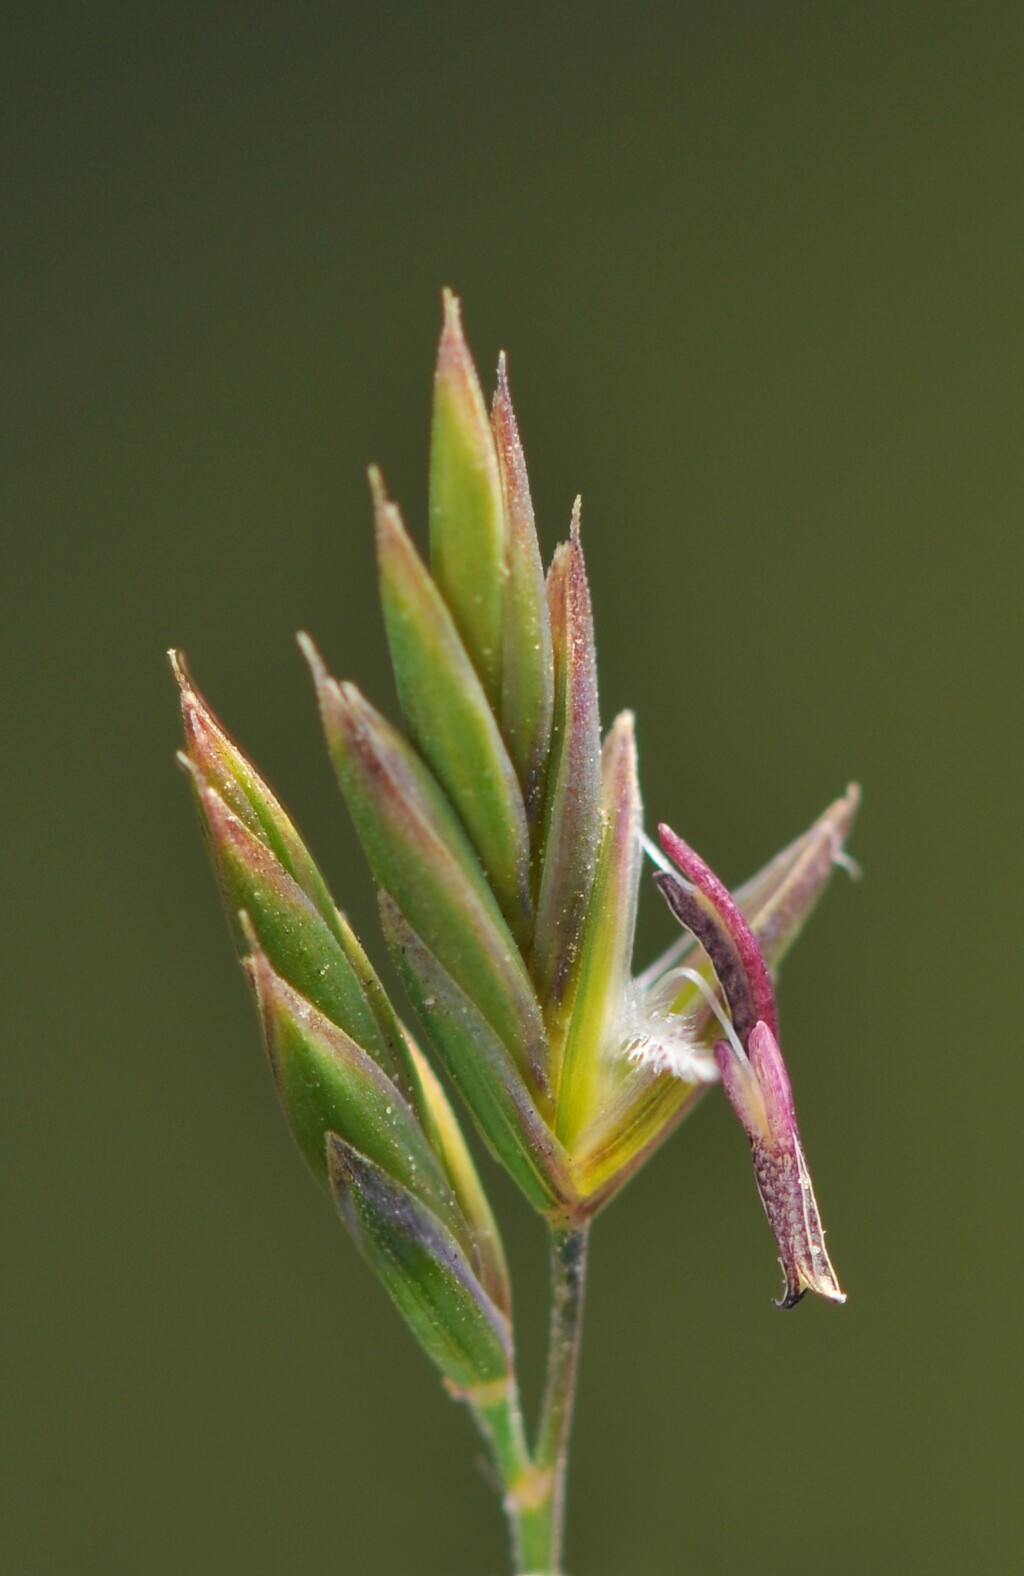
[(248, 931), (467, 521), (204, 735), (503, 416), (256, 963), (845, 808), (512, 467), (179, 667), (378, 491), (219, 816), (340, 1168), (194, 709), (845, 812), (618, 758), (315, 662), (262, 978), (556, 574), (504, 422), (453, 338), (567, 573), (623, 724), (387, 517), (349, 720), (188, 695), (836, 823)]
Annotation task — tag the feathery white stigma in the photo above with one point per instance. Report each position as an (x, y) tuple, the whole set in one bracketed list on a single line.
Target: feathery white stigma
[(654, 1036)]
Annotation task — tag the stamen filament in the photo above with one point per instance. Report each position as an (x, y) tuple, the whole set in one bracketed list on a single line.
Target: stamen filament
[(654, 853), (708, 994)]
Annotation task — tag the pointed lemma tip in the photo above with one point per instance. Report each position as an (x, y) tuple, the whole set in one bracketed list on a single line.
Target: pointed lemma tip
[(245, 925), (188, 766), (837, 821), (378, 492), (315, 661), (452, 307), (257, 967), (623, 725), (222, 821), (279, 1003), (179, 668), (201, 727), (503, 421), (388, 528), (574, 523), (501, 392), (841, 814), (339, 1161)]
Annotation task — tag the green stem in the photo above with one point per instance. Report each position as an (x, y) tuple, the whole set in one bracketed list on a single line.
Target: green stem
[(534, 1485), (536, 1505)]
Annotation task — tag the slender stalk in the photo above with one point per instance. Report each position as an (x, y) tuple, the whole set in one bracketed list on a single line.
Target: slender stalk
[(498, 1415), (536, 1502)]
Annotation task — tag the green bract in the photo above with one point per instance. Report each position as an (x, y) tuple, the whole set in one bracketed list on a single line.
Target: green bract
[(424, 1269), (467, 520)]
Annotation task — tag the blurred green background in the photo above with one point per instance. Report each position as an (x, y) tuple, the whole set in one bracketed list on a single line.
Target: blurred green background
[(758, 271)]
